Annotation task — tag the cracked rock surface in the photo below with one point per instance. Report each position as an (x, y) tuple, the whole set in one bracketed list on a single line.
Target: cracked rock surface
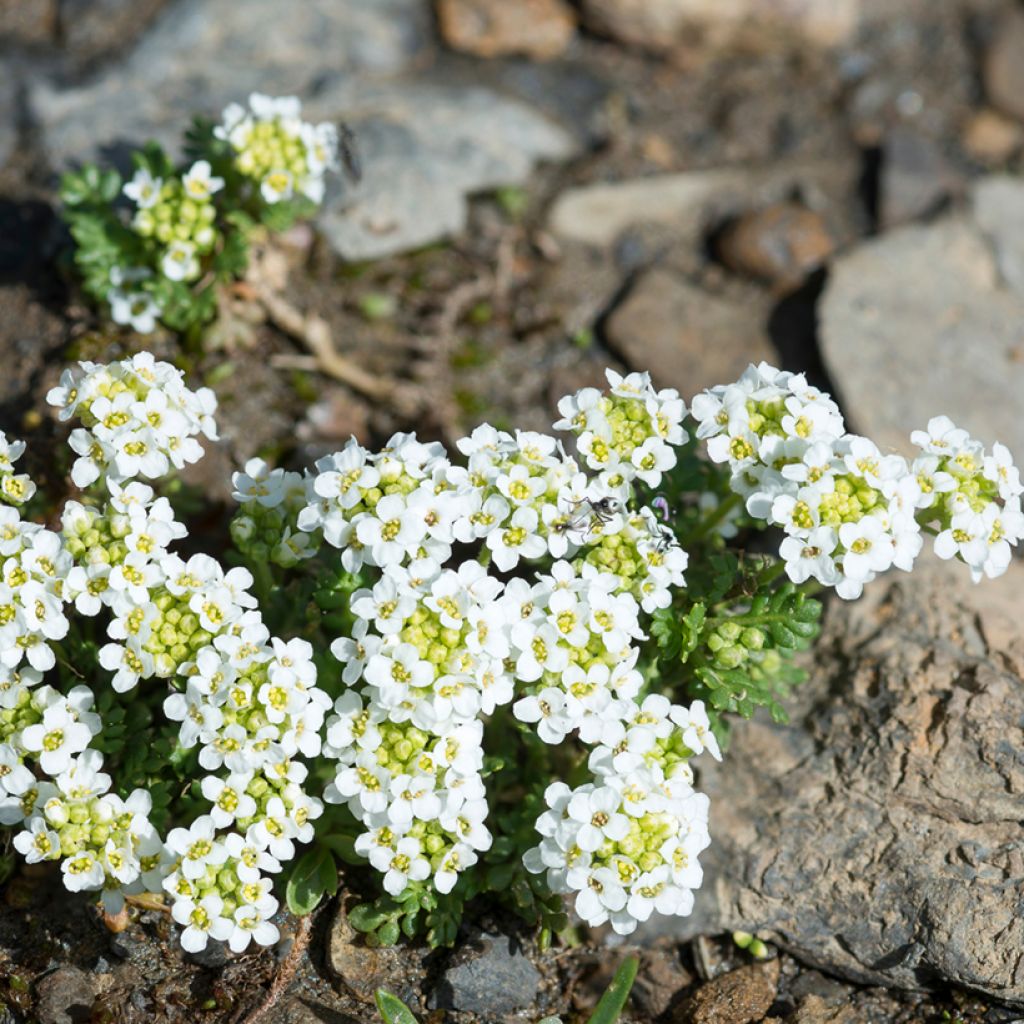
[(881, 834)]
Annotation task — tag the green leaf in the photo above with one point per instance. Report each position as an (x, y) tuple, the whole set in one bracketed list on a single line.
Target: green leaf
[(692, 627), (313, 876), (387, 933), (614, 999), (392, 1009), (366, 917)]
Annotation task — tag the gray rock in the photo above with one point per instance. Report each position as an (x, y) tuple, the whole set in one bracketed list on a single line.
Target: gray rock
[(915, 178), (878, 836), (916, 324), (64, 997), (687, 337), (425, 148), (491, 976), (202, 54), (8, 111), (997, 204), (92, 29), (214, 954), (690, 203)]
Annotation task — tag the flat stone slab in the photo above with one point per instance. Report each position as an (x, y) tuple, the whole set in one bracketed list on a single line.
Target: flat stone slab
[(424, 147), (929, 320)]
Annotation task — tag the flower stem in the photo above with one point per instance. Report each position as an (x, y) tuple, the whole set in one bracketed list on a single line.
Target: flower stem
[(716, 516)]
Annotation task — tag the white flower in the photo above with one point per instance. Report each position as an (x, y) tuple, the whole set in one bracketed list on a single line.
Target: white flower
[(197, 847), (277, 186), (203, 920), (179, 262), (401, 865), (56, 739), (137, 309), (143, 189), (199, 183)]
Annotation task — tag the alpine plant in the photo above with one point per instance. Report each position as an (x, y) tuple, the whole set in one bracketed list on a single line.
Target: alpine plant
[(483, 674), (155, 248)]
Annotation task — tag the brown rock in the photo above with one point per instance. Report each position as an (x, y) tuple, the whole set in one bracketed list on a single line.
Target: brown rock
[(540, 29), (739, 997), (28, 22), (990, 137), (1002, 69), (878, 836), (664, 25), (780, 244), (814, 1010), (65, 997), (660, 978), (363, 970), (95, 29), (686, 337)]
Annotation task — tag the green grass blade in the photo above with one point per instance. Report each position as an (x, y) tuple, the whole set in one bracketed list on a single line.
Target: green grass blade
[(614, 999)]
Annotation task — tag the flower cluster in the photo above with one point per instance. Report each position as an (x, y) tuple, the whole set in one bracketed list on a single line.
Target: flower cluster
[(139, 419), (434, 648), (265, 528), (187, 229), (627, 844), (273, 146), (246, 700), (970, 498), (15, 488), (850, 512), (629, 432)]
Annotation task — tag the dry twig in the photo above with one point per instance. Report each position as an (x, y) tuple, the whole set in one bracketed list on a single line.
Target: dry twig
[(285, 973)]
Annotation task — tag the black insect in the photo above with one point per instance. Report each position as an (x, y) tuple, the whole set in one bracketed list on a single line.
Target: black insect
[(348, 151)]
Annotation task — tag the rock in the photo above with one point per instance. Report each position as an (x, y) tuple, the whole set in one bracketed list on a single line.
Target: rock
[(688, 204), (1002, 70), (739, 997), (688, 338), (215, 954), (28, 22), (491, 976), (598, 213), (540, 29), (878, 836), (8, 111), (662, 25), (203, 54), (65, 997), (781, 244), (991, 138), (916, 324), (91, 29), (915, 178), (363, 970), (425, 148), (660, 978), (997, 204), (815, 1010)]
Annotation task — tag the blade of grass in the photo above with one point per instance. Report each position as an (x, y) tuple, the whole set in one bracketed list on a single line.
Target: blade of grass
[(614, 999)]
